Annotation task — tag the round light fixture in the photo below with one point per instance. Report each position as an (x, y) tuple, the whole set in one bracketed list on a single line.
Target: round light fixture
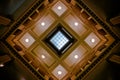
[(76, 23), (76, 56), (92, 40), (43, 56), (59, 7), (27, 40), (43, 23), (1, 65), (59, 72)]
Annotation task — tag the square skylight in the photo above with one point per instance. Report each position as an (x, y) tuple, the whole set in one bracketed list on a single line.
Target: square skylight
[(59, 8), (59, 40)]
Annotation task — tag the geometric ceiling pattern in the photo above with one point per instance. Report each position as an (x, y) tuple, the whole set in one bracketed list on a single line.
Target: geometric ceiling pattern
[(59, 40), (86, 40)]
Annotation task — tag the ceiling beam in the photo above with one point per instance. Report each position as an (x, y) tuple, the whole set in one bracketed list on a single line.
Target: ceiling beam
[(4, 59), (4, 20), (115, 59)]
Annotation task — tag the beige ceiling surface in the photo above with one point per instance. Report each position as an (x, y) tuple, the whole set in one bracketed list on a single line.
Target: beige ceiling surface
[(88, 40)]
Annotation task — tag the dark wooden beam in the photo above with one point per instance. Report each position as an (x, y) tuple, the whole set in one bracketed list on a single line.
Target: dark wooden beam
[(4, 59), (115, 20), (115, 59), (4, 20)]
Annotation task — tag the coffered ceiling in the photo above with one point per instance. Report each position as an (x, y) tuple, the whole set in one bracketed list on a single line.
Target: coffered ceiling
[(58, 40)]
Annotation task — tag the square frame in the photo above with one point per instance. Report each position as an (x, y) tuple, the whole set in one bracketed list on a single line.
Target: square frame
[(65, 33)]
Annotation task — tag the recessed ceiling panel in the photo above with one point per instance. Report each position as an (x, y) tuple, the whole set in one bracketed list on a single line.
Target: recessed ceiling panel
[(43, 24), (59, 40), (59, 72), (75, 57), (27, 40), (75, 24), (44, 55), (92, 40), (59, 8)]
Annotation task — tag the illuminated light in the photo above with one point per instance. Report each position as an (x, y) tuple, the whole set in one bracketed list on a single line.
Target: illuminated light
[(43, 56), (26, 40), (1, 65), (59, 72), (59, 40), (43, 23), (59, 7), (76, 56), (22, 78), (76, 23), (92, 40)]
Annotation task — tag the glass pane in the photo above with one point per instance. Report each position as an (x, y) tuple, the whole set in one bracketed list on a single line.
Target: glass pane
[(59, 40)]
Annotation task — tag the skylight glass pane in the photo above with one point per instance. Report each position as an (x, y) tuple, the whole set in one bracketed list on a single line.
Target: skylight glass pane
[(59, 40)]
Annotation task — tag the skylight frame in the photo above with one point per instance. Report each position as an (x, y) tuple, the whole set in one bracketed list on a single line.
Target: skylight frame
[(70, 38)]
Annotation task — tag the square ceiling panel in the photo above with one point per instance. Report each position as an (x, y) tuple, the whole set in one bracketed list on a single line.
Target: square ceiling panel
[(75, 24), (59, 8), (59, 40), (75, 56), (43, 24), (44, 55), (92, 40), (59, 72), (27, 40)]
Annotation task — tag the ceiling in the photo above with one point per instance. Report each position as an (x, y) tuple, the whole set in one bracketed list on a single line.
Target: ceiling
[(26, 40)]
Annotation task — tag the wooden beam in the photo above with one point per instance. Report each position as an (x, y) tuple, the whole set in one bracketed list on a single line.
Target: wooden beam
[(115, 59), (4, 59), (4, 21), (115, 20)]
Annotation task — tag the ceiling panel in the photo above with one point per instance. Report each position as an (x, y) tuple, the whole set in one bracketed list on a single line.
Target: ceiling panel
[(75, 57), (75, 24), (43, 24), (43, 55), (92, 40), (59, 8), (27, 40), (59, 72)]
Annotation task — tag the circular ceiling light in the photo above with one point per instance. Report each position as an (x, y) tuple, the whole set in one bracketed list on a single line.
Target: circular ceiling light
[(43, 56), (43, 23), (27, 40), (76, 23), (92, 40), (59, 72), (76, 56), (59, 7), (1, 65)]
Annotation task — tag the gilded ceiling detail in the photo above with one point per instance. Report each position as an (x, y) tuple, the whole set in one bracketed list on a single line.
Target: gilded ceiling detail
[(80, 40)]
